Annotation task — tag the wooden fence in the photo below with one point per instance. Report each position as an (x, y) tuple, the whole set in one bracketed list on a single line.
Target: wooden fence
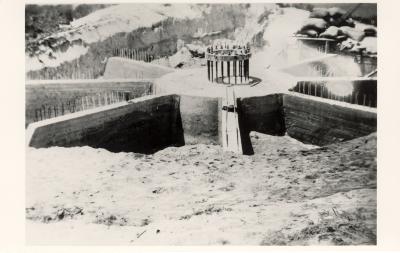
[(363, 96), (81, 104), (135, 54), (89, 74)]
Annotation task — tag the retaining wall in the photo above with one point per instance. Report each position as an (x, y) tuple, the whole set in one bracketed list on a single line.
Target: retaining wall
[(313, 121), (317, 122), (144, 126), (148, 124), (53, 92), (261, 114)]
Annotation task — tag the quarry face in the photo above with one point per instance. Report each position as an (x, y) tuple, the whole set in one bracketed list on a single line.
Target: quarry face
[(235, 124)]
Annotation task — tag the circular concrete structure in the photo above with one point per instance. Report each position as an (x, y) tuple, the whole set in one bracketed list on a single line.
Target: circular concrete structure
[(229, 64), (189, 82)]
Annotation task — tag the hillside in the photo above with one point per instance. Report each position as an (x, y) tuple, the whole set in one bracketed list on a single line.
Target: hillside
[(156, 28), (80, 48)]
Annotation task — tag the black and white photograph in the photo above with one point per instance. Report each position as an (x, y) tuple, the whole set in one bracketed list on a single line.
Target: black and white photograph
[(201, 124)]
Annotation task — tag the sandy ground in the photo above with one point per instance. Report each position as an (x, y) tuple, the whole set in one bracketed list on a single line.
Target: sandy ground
[(287, 193)]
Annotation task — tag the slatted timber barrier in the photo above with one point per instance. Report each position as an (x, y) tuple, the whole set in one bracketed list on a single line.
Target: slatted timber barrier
[(47, 111), (360, 91)]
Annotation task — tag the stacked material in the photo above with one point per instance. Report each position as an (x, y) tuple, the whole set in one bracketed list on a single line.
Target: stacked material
[(334, 23)]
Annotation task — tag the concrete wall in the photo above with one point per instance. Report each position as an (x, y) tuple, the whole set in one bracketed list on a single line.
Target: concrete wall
[(151, 123), (145, 126), (312, 121), (200, 119), (321, 123), (38, 93), (261, 114)]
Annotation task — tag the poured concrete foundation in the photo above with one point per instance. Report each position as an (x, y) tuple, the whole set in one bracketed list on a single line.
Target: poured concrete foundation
[(317, 121), (148, 124), (142, 126)]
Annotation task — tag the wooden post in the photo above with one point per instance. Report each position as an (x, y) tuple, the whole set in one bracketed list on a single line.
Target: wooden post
[(229, 71), (216, 71), (243, 70), (240, 70), (208, 70), (326, 46), (36, 115), (234, 70), (247, 69), (212, 74), (44, 111), (87, 102), (222, 71), (357, 97)]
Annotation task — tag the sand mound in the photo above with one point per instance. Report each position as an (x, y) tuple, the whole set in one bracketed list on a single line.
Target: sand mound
[(198, 194)]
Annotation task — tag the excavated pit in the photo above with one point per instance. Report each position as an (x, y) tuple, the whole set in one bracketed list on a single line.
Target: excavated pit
[(185, 109), (148, 124)]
